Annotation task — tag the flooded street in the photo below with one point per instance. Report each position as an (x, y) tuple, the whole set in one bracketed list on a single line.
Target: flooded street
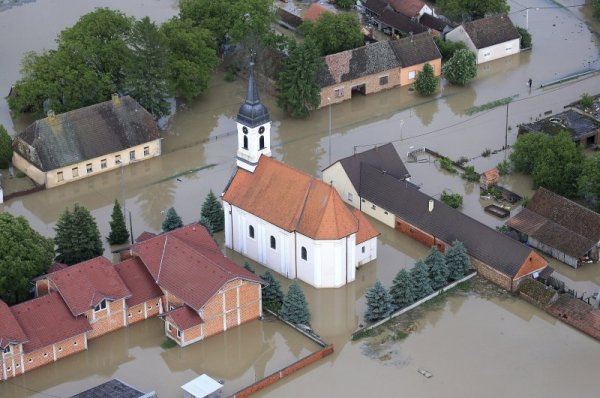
[(475, 346)]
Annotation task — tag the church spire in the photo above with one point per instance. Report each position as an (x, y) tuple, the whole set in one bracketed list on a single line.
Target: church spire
[(252, 112)]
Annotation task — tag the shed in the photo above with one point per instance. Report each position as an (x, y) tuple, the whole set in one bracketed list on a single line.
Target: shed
[(114, 388), (489, 178), (202, 386)]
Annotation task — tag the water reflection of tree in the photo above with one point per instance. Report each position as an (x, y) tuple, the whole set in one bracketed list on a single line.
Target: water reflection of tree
[(426, 111), (461, 101), (153, 200)]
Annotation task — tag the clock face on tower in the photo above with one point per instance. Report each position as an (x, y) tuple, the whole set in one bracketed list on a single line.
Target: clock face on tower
[(261, 130), (245, 130)]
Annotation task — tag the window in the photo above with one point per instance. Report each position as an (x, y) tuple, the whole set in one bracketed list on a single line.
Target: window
[(412, 74), (88, 168), (273, 243), (487, 54), (101, 306), (30, 360), (362, 249), (146, 150), (178, 333), (509, 47), (349, 196), (75, 343), (339, 92), (373, 207), (18, 365), (139, 311), (59, 349), (117, 159), (75, 172), (383, 80), (261, 142), (7, 349), (59, 176), (129, 315), (362, 200), (45, 355), (385, 212), (261, 130), (169, 327), (251, 231), (103, 163), (304, 253), (245, 130), (245, 145), (131, 155)]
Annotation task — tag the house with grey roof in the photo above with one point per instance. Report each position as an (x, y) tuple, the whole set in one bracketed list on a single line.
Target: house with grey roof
[(376, 183), (584, 129), (376, 67), (489, 38), (87, 141)]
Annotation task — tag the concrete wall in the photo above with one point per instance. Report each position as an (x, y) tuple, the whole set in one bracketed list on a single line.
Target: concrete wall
[(498, 51), (366, 251), (51, 178), (371, 82)]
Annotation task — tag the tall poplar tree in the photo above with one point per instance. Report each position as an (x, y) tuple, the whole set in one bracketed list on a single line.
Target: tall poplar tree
[(118, 227)]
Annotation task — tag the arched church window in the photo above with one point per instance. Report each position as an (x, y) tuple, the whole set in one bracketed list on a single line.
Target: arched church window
[(245, 142), (304, 253), (251, 231), (273, 243), (261, 142)]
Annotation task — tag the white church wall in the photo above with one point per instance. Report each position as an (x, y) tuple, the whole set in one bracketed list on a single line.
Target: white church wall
[(366, 251)]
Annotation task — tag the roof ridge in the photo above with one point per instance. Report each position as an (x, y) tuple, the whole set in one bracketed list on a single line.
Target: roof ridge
[(162, 256), (303, 207)]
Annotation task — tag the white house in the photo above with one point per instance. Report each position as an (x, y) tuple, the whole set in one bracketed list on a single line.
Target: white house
[(489, 38), (285, 219)]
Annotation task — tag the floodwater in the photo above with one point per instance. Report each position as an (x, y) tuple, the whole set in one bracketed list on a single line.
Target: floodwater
[(199, 145)]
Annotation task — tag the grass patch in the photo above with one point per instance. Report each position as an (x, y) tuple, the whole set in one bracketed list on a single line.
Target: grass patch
[(447, 165), (365, 333), (490, 105), (168, 343)]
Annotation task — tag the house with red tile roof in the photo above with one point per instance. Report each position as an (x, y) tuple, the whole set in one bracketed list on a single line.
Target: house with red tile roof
[(314, 12), (146, 297), (93, 289), (285, 219), (204, 292), (411, 8)]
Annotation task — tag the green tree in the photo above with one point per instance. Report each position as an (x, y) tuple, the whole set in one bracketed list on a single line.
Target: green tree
[(77, 236), (118, 227), (212, 210), (426, 82), (25, 254), (297, 87), (294, 308), (448, 48), (272, 295), (379, 303), (5, 148), (192, 57), (438, 271), (457, 261), (420, 276), (589, 181), (345, 4), (461, 68), (586, 101), (333, 33), (172, 220), (206, 223), (402, 289), (454, 200), (525, 37), (462, 10), (146, 78), (596, 9), (526, 151), (248, 267)]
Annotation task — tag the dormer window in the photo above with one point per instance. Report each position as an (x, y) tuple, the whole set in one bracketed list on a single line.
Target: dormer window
[(101, 306)]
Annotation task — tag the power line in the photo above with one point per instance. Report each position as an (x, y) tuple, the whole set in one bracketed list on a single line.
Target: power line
[(32, 390)]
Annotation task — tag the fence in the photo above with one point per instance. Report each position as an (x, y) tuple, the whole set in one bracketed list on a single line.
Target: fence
[(23, 193)]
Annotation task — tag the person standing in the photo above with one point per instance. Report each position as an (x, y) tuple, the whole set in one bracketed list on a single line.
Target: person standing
[(529, 83)]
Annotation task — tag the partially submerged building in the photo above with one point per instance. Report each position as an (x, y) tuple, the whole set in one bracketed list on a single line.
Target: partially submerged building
[(380, 188), (584, 129), (87, 141), (489, 38), (376, 67), (560, 227)]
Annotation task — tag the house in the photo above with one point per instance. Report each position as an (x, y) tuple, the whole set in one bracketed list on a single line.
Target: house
[(288, 20), (411, 8), (285, 219), (489, 178), (91, 289), (204, 293), (376, 67), (584, 130), (394, 23), (436, 24), (38, 332), (86, 141), (560, 227), (202, 386), (489, 38), (114, 388), (314, 12), (383, 192)]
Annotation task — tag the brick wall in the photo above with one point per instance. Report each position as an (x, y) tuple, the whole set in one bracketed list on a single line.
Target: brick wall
[(192, 334), (11, 364), (143, 311), (492, 274), (419, 235), (280, 374), (107, 320)]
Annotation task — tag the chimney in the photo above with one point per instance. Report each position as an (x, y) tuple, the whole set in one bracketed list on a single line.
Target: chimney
[(431, 202), (116, 99), (51, 117)]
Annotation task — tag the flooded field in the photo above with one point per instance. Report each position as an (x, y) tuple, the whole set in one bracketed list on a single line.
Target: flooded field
[(485, 337)]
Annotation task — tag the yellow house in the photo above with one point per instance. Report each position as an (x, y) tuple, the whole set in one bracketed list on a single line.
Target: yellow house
[(87, 141)]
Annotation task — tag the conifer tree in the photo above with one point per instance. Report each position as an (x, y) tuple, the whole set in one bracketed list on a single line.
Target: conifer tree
[(420, 277), (436, 265), (118, 228), (205, 222), (457, 261), (249, 267), (426, 82), (172, 220), (294, 308), (402, 289), (272, 295), (379, 303), (212, 210), (77, 236)]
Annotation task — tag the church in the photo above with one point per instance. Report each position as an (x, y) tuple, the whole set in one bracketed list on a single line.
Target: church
[(287, 220)]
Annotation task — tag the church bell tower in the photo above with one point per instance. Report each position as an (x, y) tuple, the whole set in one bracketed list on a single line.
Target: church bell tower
[(253, 128)]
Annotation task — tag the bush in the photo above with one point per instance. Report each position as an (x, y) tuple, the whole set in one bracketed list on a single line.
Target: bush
[(503, 167), (447, 165), (5, 148), (525, 37), (426, 82), (454, 200), (486, 153), (587, 101), (461, 68), (345, 4), (448, 48), (470, 174), (462, 160)]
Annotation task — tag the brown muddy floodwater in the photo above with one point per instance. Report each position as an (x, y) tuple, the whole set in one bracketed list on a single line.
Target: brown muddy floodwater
[(475, 345)]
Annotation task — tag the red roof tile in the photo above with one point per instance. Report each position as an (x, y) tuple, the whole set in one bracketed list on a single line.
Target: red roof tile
[(56, 267), (314, 12), (47, 320), (10, 330), (410, 8), (291, 200), (366, 231), (138, 280), (145, 236), (184, 317), (492, 174), (187, 263), (84, 285)]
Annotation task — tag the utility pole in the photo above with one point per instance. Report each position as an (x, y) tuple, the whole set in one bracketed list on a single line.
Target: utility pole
[(506, 132), (123, 191), (329, 162), (130, 228)]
